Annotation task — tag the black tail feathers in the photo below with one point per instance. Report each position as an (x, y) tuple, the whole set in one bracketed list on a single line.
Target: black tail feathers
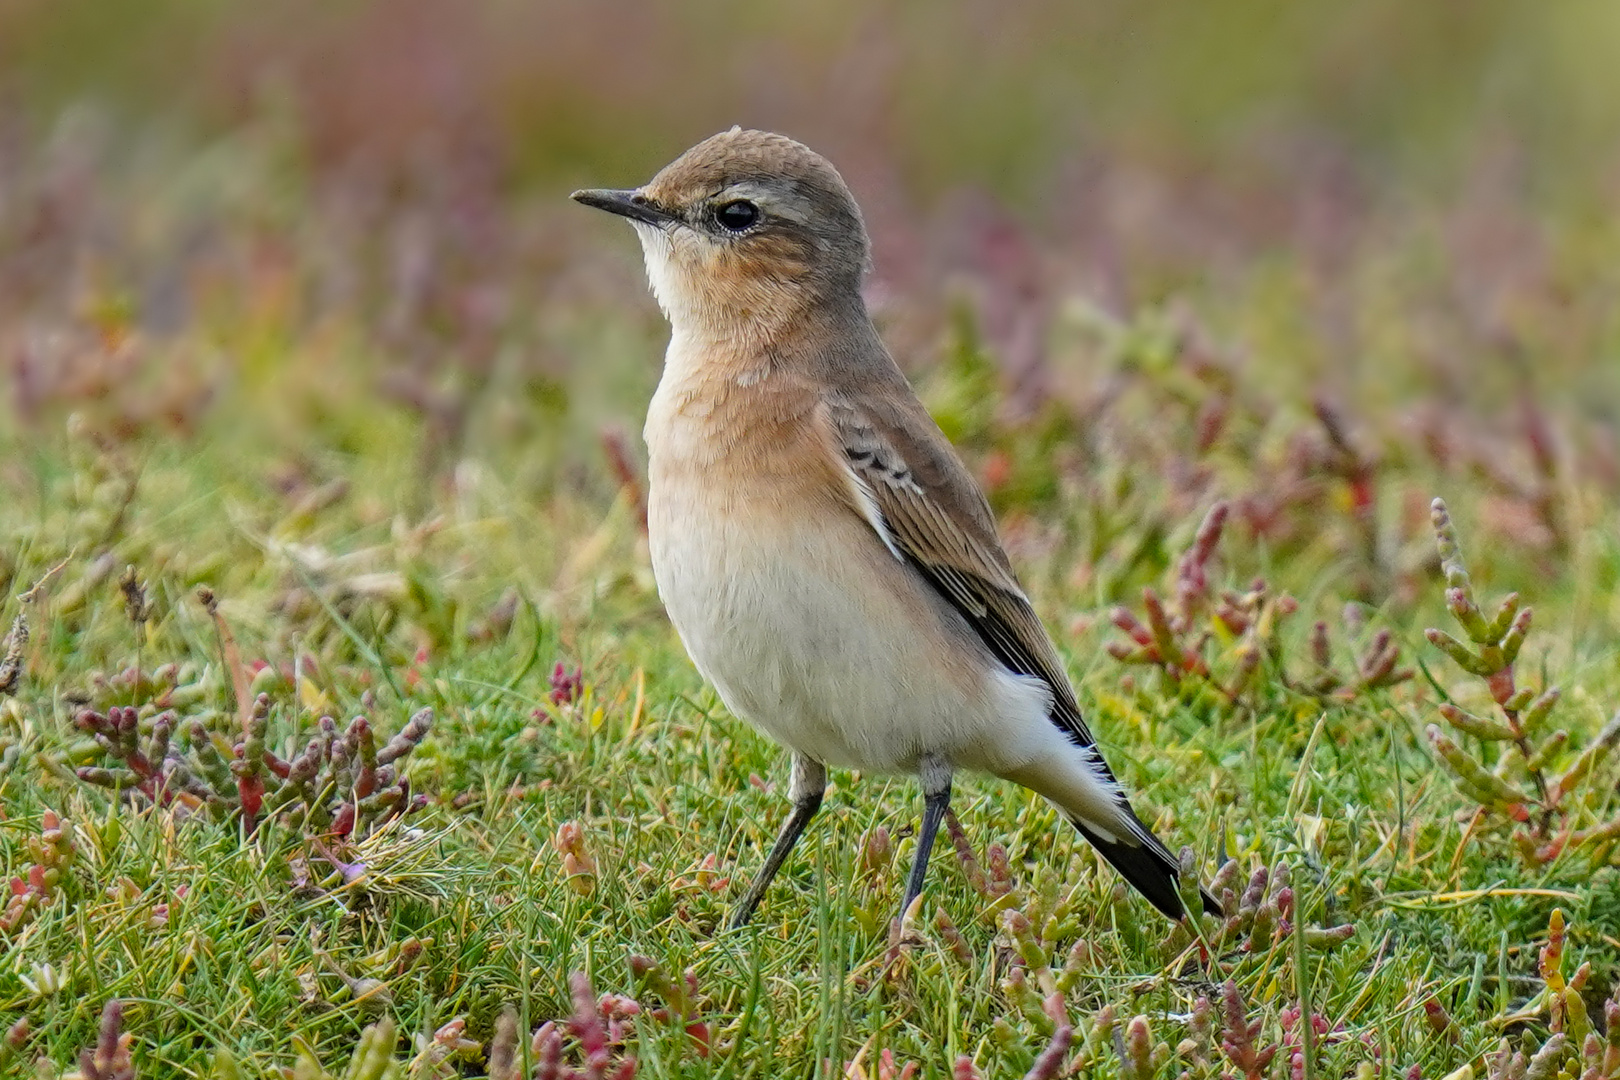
[(1150, 870)]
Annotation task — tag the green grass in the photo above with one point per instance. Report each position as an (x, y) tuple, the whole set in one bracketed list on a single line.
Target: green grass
[(390, 567)]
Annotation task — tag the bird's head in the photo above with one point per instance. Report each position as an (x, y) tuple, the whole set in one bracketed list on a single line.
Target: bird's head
[(745, 228)]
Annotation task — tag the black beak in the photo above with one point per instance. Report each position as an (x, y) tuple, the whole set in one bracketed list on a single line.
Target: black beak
[(631, 204)]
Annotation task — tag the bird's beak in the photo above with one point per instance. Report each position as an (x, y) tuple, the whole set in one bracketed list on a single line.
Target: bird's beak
[(631, 204)]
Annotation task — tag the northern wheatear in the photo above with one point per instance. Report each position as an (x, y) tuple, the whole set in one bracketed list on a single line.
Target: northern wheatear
[(828, 561)]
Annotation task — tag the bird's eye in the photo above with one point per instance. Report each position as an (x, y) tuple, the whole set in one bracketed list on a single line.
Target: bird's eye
[(738, 215)]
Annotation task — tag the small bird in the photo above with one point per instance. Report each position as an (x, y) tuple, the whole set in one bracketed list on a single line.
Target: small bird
[(828, 561)]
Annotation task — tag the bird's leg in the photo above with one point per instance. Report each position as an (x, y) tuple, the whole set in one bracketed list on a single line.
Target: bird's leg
[(809, 784), (935, 774)]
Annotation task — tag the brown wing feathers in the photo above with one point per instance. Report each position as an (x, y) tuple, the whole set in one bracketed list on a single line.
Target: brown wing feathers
[(958, 552), (931, 513)]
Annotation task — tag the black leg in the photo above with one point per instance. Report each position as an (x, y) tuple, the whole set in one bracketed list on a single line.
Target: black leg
[(936, 785), (808, 786)]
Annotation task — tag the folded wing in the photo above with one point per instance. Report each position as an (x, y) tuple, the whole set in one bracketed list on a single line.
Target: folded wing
[(930, 513), (909, 485)]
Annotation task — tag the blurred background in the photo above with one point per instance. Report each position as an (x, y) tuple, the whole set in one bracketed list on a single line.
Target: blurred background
[(1262, 248)]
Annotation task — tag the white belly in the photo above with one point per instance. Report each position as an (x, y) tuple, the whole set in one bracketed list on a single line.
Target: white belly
[(814, 633)]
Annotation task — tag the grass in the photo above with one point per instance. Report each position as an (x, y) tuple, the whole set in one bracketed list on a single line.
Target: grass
[(213, 937), (409, 503)]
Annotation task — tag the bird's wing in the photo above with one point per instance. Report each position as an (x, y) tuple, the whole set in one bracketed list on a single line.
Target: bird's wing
[(919, 498), (908, 483)]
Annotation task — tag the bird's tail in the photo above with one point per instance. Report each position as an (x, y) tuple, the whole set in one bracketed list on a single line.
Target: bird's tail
[(1081, 785), (1149, 867)]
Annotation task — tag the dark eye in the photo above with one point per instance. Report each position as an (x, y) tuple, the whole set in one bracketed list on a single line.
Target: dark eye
[(738, 215)]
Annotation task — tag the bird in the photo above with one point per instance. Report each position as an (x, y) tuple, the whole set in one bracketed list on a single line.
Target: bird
[(830, 564)]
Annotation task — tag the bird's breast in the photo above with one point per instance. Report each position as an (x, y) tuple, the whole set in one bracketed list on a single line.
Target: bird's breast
[(749, 541)]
